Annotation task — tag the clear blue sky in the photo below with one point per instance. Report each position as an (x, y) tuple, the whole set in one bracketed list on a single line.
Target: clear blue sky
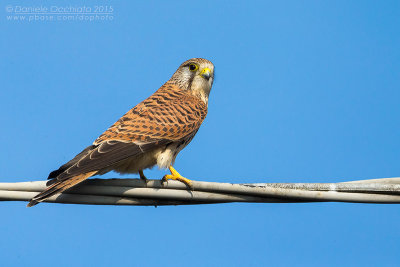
[(305, 91)]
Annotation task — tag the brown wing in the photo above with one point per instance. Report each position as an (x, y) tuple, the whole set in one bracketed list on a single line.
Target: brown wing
[(101, 156), (170, 114)]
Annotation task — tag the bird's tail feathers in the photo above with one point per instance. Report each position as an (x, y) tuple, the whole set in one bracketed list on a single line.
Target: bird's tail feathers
[(58, 187)]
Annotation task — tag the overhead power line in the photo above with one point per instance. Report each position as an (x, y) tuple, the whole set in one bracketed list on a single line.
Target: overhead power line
[(153, 193)]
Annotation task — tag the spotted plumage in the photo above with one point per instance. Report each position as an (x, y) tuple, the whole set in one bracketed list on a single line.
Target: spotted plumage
[(151, 133)]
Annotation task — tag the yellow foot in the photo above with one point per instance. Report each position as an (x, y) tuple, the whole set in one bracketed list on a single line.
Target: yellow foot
[(176, 176)]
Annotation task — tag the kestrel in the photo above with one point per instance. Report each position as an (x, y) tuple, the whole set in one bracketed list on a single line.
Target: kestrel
[(152, 133)]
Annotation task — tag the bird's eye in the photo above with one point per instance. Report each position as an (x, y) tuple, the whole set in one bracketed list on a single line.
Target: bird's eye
[(193, 67)]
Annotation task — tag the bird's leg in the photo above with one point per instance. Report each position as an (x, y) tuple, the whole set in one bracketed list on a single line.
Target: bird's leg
[(142, 177), (176, 176)]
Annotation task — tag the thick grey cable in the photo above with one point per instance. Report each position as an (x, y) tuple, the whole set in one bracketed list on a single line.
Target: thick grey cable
[(137, 192)]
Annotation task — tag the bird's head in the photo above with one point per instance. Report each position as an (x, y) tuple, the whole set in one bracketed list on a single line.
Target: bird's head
[(196, 75)]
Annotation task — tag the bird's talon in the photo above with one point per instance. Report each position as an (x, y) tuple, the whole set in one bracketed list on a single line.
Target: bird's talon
[(163, 180), (177, 177)]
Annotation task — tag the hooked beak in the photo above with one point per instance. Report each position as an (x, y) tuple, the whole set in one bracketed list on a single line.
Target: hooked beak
[(205, 73)]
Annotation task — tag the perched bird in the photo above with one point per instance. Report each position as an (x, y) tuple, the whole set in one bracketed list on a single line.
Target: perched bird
[(152, 133)]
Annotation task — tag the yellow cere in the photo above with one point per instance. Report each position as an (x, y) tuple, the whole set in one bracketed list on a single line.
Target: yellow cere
[(205, 71)]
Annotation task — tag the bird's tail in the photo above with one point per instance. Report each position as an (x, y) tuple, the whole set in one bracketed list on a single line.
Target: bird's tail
[(59, 187)]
